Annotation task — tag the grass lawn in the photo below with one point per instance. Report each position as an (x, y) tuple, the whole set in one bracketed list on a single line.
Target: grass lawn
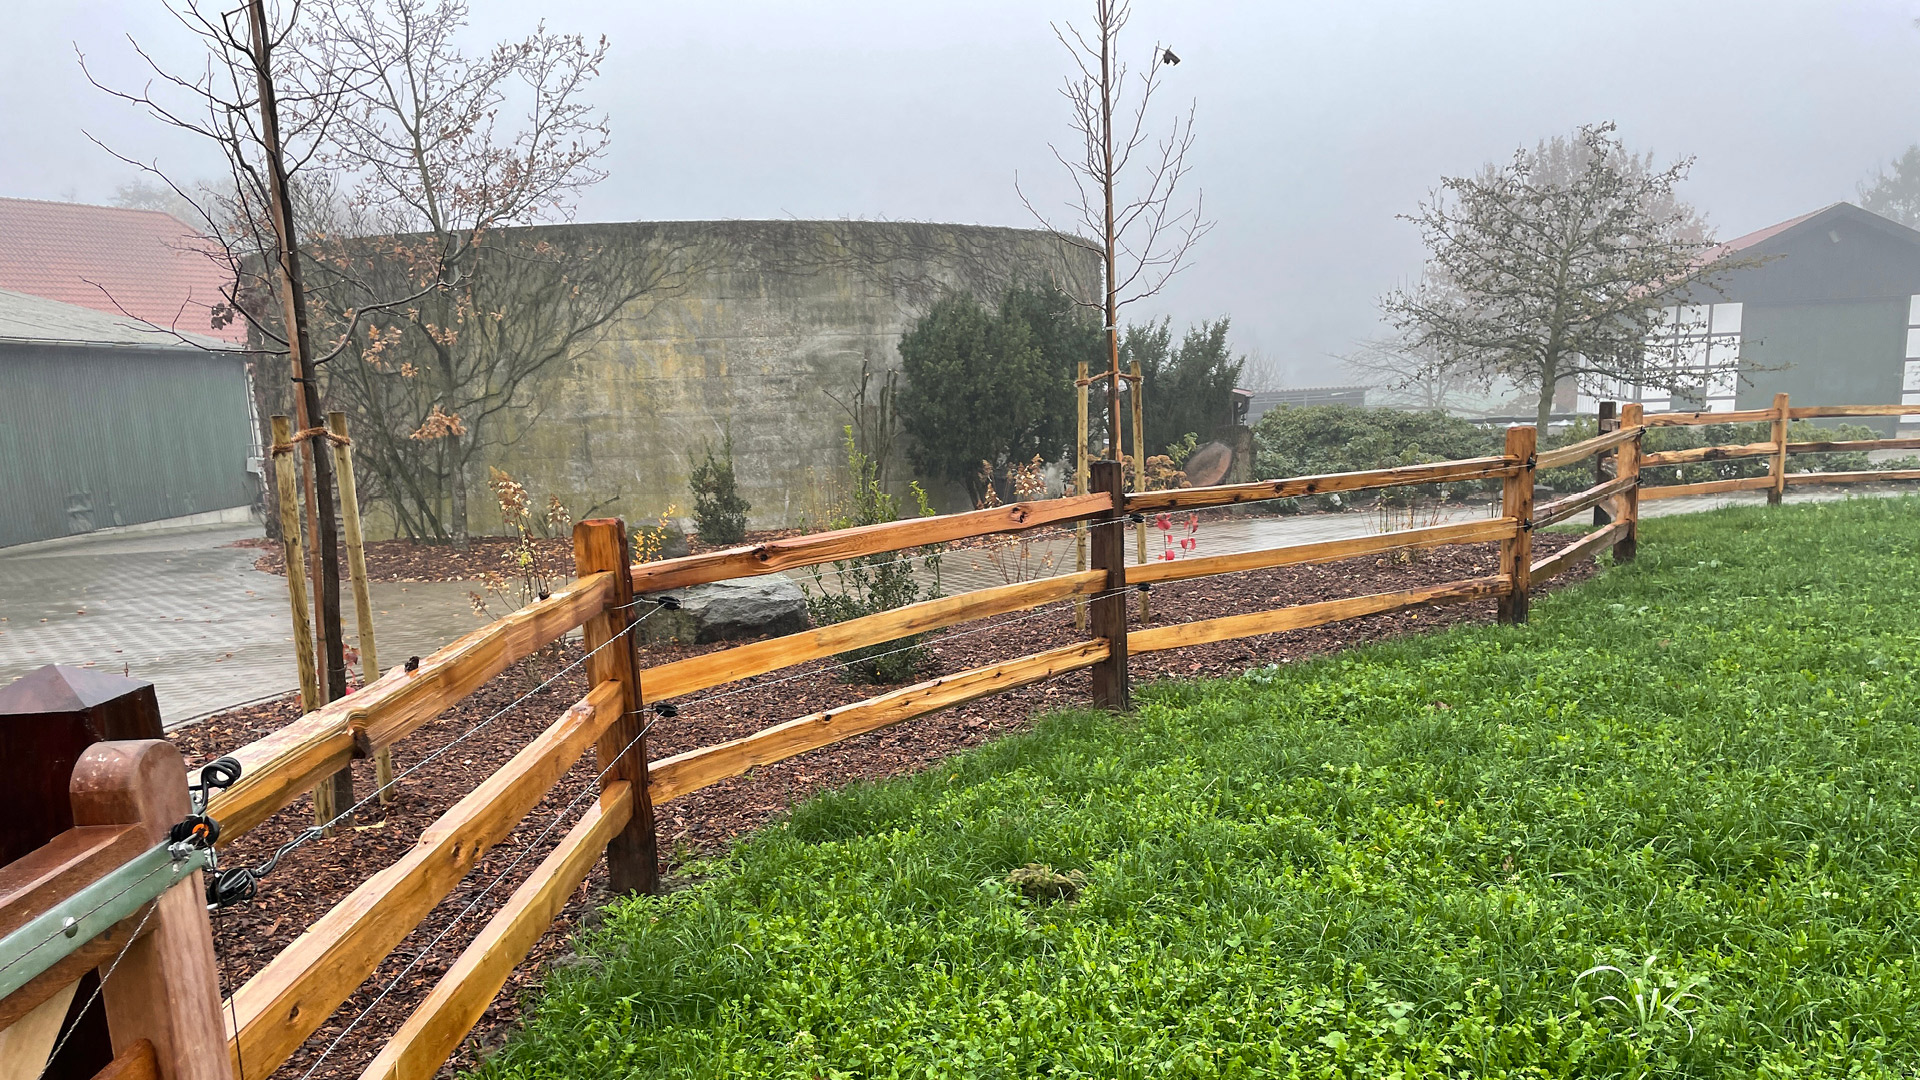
[(1696, 771)]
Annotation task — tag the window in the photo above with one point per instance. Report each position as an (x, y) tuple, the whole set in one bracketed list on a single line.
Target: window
[(1910, 378), (1700, 345)]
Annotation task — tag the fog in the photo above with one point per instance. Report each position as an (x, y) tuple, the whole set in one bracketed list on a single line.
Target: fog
[(1317, 123)]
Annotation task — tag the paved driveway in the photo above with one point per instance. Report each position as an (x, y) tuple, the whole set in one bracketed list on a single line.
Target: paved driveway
[(187, 612)]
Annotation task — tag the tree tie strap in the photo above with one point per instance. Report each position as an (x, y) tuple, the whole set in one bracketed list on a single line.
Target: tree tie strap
[(310, 433)]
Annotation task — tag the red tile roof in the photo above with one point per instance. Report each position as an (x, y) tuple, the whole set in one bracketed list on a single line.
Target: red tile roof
[(109, 259)]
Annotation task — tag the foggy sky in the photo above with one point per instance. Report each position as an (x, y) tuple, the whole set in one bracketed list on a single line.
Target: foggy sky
[(1317, 122)]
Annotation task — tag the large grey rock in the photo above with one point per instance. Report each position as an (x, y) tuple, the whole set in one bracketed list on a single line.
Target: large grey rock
[(728, 611)]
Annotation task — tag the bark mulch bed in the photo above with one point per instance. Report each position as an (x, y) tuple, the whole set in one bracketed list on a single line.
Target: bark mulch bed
[(485, 556), (314, 877)]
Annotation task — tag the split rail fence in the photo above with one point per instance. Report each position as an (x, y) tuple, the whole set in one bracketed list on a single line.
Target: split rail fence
[(188, 1031)]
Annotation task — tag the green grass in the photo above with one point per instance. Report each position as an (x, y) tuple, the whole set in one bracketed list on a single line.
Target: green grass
[(1697, 770)]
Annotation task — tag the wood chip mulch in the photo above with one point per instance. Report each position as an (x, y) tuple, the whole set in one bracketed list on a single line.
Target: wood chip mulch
[(315, 876)]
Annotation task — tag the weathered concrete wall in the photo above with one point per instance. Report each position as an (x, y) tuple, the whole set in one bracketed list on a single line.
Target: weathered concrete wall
[(772, 323)]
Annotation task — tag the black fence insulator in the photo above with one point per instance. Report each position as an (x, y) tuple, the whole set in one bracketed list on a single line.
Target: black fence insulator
[(413, 663), (234, 885), (665, 709), (1145, 586), (669, 603), (217, 775), (197, 830)]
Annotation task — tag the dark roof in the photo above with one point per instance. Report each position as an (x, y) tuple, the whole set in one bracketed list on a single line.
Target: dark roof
[(139, 263), (1824, 217)]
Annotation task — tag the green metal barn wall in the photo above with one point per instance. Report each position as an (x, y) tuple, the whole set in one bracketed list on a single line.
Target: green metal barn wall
[(1831, 353), (97, 437)]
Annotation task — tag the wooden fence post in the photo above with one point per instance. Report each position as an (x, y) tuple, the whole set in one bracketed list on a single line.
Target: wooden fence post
[(48, 719), (1779, 459), (1108, 613), (633, 860), (1080, 475), (1633, 415), (1516, 501), (1605, 464), (362, 597), (293, 555), (165, 989)]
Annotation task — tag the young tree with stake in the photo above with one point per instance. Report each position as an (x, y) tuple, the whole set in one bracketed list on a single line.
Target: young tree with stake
[(1126, 181)]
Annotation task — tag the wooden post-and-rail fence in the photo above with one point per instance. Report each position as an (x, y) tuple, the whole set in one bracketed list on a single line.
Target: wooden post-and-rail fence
[(122, 795)]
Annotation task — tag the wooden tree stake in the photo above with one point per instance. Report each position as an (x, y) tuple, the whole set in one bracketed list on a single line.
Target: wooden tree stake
[(1137, 384), (1779, 461), (633, 859), (1108, 613), (293, 555), (326, 794), (1633, 415), (166, 986), (362, 596), (1516, 501), (1080, 475)]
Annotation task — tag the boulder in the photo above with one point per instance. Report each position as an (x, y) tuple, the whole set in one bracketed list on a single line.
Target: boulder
[(727, 611)]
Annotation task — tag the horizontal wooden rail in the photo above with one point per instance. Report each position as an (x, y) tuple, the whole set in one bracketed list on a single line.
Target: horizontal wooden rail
[(283, 765), (1852, 445), (777, 555), (137, 1062), (1867, 477), (1709, 487), (1677, 419), (1585, 547), (1562, 509), (421, 1047), (295, 993), (670, 778), (1439, 472), (1471, 532), (695, 673), (1226, 628), (1706, 453), (1810, 412), (1586, 448), (38, 881)]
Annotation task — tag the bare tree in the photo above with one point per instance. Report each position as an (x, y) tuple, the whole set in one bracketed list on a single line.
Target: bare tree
[(269, 118), (440, 151), (1560, 264), (1411, 374), (426, 383), (1142, 234)]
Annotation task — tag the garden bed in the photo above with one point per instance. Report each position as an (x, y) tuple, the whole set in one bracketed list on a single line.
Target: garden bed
[(313, 877)]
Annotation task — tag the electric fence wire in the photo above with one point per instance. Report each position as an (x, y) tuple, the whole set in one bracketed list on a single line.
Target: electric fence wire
[(592, 786), (1037, 612), (239, 881), (80, 1015)]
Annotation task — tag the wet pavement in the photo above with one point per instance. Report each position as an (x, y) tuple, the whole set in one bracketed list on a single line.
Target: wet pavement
[(188, 612)]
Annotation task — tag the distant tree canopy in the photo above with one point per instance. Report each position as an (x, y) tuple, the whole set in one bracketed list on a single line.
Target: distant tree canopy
[(1559, 264), (993, 385), (1189, 387), (1896, 194)]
